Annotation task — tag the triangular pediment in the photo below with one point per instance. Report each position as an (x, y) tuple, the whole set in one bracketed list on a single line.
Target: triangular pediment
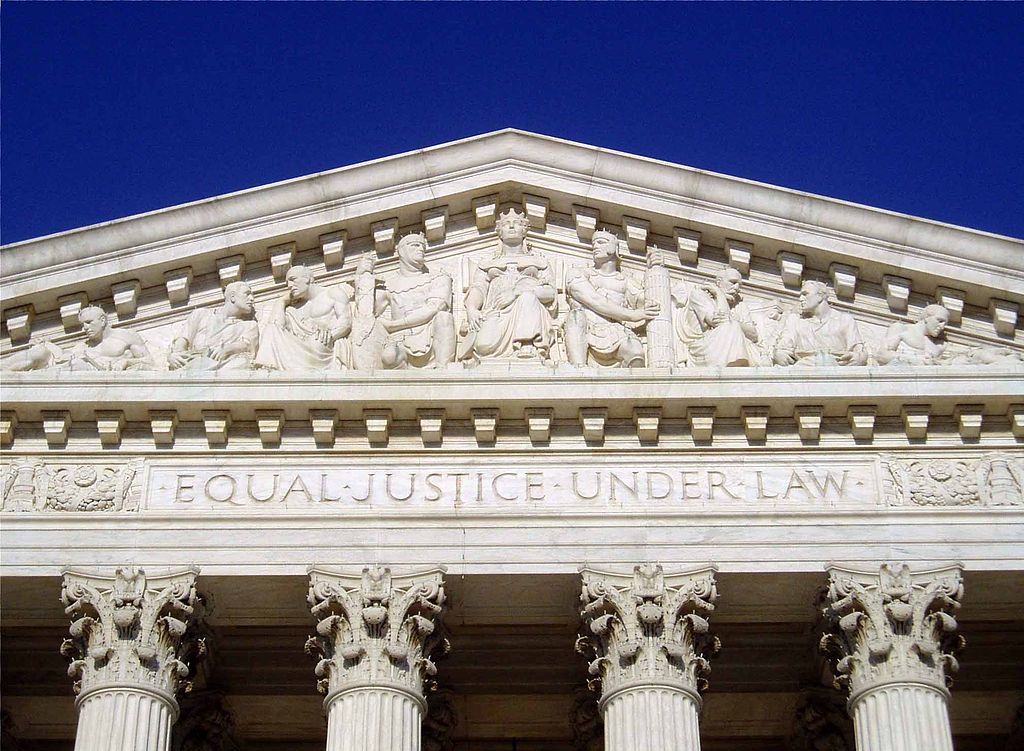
[(150, 271)]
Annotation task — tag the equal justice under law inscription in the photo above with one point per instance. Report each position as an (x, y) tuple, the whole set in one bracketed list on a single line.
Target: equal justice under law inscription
[(681, 486)]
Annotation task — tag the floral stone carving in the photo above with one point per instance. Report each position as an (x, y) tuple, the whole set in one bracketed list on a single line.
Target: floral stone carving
[(128, 630), (992, 480), (376, 628), (892, 626), (32, 485), (649, 628)]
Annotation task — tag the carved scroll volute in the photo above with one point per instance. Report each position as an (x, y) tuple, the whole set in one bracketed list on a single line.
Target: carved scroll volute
[(648, 628), (128, 630), (376, 628), (892, 626)]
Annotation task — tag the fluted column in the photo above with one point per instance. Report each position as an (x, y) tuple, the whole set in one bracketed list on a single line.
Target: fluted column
[(650, 645), (892, 642), (125, 650), (375, 634), (658, 287)]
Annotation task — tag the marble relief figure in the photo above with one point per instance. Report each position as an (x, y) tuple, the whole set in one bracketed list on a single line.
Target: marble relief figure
[(715, 324), (419, 329), (920, 343), (221, 339), (817, 334), (105, 348), (511, 303), (306, 326), (606, 307)]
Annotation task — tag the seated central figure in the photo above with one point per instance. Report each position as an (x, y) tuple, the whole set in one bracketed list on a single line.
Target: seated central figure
[(510, 305)]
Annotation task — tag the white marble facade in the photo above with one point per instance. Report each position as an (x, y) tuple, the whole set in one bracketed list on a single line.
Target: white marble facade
[(759, 451)]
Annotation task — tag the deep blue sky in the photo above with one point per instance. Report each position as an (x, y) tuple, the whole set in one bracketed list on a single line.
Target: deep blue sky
[(110, 109)]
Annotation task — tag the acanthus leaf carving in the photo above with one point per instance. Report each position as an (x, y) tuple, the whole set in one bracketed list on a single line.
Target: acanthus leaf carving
[(892, 626), (129, 630), (376, 628), (648, 627)]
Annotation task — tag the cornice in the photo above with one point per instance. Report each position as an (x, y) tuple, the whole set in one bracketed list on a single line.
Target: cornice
[(564, 389), (570, 172)]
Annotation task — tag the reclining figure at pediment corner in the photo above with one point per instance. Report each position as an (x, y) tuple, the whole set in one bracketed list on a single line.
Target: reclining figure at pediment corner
[(104, 349)]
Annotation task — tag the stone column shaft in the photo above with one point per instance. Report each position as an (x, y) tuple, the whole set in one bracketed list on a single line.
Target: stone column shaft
[(651, 649), (125, 647), (658, 718), (658, 287), (375, 633), (892, 641), (124, 719), (902, 717), (374, 719)]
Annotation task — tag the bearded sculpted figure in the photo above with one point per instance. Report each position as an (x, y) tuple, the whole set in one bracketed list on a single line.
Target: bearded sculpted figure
[(105, 348), (817, 334), (420, 328), (222, 339), (920, 343), (305, 326), (606, 307), (510, 305), (715, 324)]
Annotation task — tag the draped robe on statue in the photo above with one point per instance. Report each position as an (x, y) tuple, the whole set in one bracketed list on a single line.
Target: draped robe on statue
[(725, 345), (525, 321), (294, 345), (208, 329)]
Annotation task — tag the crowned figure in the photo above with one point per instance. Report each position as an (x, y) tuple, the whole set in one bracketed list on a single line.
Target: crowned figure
[(510, 304)]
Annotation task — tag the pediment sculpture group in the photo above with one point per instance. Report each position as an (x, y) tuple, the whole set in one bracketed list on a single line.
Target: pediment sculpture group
[(511, 314)]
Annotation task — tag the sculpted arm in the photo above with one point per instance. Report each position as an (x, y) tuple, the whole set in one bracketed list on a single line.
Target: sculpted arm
[(439, 298), (856, 352), (581, 290), (545, 292), (746, 323), (890, 343), (475, 298), (785, 348), (276, 314), (178, 355), (342, 314), (136, 345)]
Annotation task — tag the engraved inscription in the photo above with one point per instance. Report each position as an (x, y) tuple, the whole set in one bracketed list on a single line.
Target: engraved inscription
[(581, 487)]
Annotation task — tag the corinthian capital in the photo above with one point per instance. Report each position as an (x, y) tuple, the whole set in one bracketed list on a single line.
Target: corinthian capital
[(377, 628), (648, 627), (127, 630), (892, 625)]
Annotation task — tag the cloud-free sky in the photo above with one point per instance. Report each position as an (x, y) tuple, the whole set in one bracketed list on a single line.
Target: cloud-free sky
[(111, 109)]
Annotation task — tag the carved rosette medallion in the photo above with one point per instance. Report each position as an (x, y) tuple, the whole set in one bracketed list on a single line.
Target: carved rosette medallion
[(129, 630), (30, 484), (648, 629), (376, 629), (892, 626)]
